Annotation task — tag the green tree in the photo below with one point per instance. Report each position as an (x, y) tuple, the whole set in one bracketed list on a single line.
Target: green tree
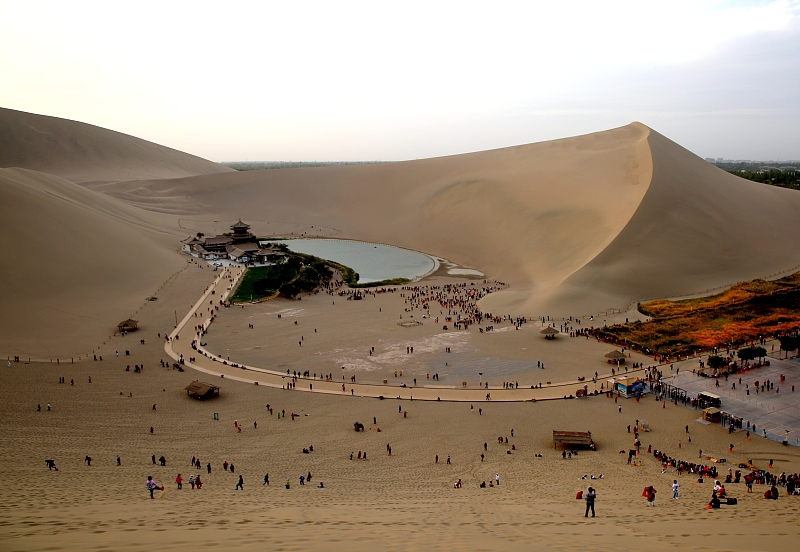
[(747, 354), (789, 343), (289, 290), (715, 361)]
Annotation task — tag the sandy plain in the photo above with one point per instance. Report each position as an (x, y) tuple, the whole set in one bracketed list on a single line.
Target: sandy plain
[(402, 502)]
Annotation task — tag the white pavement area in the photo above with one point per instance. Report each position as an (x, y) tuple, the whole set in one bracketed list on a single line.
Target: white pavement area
[(774, 411)]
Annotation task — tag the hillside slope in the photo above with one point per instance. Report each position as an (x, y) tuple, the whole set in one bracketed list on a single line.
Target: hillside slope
[(697, 228), (85, 153), (74, 264)]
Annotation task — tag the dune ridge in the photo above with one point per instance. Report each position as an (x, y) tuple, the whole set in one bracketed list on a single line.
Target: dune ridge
[(697, 227), (86, 153)]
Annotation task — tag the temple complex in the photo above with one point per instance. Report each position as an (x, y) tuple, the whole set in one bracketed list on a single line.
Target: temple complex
[(240, 246)]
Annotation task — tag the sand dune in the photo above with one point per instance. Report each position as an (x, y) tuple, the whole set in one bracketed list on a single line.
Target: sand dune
[(86, 153), (698, 227), (74, 264), (527, 214), (576, 226)]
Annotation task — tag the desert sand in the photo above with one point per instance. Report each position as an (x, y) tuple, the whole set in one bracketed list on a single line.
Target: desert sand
[(575, 227)]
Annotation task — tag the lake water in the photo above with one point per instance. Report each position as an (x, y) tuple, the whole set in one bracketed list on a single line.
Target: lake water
[(372, 261)]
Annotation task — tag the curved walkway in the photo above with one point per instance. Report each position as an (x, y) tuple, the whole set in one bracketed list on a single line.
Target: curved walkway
[(181, 339)]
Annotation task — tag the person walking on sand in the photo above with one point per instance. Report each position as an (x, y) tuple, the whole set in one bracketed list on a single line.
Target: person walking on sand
[(152, 486), (179, 481), (240, 484), (266, 480), (497, 479), (590, 496), (650, 493), (675, 487)]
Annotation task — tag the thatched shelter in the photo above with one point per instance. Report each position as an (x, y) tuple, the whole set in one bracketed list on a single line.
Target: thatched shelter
[(129, 325), (617, 357), (201, 391), (549, 332)]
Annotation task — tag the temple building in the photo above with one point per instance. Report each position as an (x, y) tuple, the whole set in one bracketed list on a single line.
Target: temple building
[(240, 246), (241, 232)]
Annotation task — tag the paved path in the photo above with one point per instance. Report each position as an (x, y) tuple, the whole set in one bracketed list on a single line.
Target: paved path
[(773, 411), (180, 343)]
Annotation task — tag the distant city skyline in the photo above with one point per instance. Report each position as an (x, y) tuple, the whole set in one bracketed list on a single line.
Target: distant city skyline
[(377, 82)]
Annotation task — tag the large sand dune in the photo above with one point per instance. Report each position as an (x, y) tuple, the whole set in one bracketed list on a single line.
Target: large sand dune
[(576, 226), (696, 229), (528, 214), (86, 153), (74, 263)]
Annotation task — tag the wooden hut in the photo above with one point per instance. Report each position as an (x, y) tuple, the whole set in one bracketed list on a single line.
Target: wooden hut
[(573, 439), (201, 391), (617, 357), (712, 415), (129, 325)]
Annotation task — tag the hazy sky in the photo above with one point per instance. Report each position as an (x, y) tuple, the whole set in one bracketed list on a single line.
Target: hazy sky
[(379, 80)]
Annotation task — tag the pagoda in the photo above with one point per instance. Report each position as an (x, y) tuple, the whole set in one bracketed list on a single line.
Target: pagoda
[(241, 232)]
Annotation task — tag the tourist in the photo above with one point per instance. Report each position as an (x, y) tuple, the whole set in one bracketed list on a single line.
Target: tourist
[(650, 493), (590, 497), (240, 484), (152, 486)]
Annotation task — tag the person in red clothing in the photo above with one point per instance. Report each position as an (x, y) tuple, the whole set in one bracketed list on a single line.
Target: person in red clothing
[(650, 493), (179, 481)]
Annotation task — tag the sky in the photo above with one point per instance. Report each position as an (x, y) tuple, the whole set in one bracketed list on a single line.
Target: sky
[(325, 81)]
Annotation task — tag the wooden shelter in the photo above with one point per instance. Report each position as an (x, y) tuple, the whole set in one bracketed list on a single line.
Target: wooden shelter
[(573, 439), (712, 414), (709, 399), (617, 357), (129, 325), (549, 332), (201, 391)]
